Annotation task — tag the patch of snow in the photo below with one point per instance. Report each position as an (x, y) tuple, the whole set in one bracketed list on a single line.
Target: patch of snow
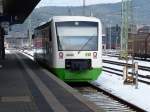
[(7, 51), (114, 84), (27, 54)]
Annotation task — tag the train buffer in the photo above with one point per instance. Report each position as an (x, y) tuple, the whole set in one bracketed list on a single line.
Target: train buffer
[(26, 87)]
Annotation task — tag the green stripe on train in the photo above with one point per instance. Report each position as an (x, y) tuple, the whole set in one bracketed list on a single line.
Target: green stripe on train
[(77, 76)]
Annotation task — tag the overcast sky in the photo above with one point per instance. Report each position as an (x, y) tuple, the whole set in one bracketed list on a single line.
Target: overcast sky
[(73, 2)]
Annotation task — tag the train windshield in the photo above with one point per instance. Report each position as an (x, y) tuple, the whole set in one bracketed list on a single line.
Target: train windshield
[(77, 36)]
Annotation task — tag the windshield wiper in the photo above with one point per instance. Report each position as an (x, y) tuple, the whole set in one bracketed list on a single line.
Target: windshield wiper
[(86, 43)]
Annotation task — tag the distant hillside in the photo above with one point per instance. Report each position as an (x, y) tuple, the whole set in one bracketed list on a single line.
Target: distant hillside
[(108, 13)]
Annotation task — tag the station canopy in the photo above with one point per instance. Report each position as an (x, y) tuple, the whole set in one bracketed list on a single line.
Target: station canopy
[(16, 11)]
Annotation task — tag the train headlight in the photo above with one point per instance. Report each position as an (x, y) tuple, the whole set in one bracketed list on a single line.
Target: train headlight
[(61, 55), (94, 55)]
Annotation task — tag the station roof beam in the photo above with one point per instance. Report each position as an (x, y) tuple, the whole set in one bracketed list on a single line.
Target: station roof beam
[(16, 11)]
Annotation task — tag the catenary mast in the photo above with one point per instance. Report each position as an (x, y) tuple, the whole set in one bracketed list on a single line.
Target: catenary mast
[(126, 28)]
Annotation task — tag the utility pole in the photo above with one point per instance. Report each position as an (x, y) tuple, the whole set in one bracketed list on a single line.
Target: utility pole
[(84, 7), (125, 28), (127, 22)]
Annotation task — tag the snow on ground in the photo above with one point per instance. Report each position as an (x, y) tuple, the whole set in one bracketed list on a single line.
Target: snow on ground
[(7, 51), (114, 84), (29, 54)]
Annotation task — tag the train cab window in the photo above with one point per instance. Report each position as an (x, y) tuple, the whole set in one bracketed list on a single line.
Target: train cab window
[(77, 36)]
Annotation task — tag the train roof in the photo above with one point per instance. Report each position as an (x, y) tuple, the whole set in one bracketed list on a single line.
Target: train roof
[(73, 18)]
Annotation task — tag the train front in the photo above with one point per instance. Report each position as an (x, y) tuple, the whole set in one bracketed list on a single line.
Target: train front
[(78, 56)]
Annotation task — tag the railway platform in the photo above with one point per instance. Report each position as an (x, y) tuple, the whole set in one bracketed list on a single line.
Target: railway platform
[(26, 87)]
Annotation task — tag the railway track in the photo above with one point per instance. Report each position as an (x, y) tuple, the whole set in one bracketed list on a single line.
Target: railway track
[(145, 68), (141, 78), (120, 74), (105, 99), (136, 58)]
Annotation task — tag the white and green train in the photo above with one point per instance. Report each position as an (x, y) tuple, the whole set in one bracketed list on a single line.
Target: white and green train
[(71, 46)]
